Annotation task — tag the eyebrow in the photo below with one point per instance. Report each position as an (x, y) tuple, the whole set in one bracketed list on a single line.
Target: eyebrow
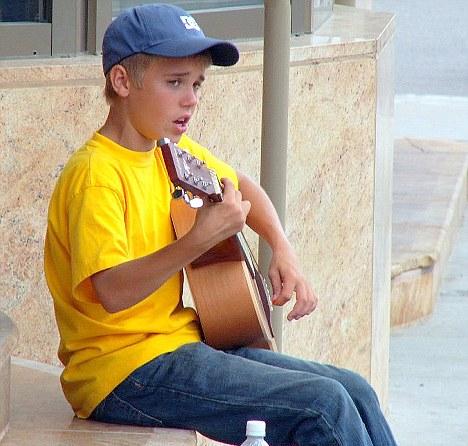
[(183, 74)]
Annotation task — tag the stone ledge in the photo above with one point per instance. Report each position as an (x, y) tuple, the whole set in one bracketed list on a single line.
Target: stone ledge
[(430, 195), (8, 339), (39, 411), (8, 336)]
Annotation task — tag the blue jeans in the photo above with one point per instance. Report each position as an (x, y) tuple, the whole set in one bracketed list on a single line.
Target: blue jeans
[(216, 392)]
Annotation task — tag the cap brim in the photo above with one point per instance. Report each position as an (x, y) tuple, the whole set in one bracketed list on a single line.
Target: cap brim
[(222, 53)]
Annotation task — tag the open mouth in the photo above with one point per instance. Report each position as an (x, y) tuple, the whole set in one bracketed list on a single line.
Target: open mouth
[(182, 124)]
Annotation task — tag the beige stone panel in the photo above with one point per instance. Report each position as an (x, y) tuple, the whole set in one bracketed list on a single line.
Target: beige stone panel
[(330, 207), (39, 129), (228, 119), (38, 334)]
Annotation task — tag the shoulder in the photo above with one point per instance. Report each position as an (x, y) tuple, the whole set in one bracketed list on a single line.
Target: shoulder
[(87, 168), (193, 147), (220, 167)]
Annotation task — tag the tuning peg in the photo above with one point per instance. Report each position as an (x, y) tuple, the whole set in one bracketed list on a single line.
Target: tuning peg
[(193, 202), (177, 193), (196, 202)]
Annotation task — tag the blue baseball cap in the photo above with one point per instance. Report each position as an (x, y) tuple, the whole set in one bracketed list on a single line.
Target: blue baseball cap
[(161, 30)]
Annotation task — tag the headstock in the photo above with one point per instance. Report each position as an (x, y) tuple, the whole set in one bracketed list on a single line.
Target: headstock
[(190, 173)]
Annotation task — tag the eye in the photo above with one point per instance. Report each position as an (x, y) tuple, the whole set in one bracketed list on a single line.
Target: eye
[(175, 82), (197, 86)]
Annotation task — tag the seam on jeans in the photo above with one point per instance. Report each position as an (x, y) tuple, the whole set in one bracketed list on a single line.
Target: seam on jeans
[(136, 409), (334, 432)]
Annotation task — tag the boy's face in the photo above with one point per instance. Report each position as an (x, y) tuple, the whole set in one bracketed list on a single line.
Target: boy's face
[(166, 102)]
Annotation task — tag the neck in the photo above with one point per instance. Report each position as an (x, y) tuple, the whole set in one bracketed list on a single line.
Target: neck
[(119, 129)]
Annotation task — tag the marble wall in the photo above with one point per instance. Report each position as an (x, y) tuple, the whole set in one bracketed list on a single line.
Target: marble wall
[(47, 108)]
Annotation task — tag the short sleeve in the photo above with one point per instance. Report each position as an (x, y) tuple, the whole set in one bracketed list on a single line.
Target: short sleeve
[(97, 232)]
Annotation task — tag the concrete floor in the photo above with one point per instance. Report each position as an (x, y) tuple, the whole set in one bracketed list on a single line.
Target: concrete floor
[(431, 43), (429, 361), (429, 365)]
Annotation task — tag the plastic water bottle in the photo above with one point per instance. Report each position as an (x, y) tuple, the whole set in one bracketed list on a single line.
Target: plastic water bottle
[(255, 432)]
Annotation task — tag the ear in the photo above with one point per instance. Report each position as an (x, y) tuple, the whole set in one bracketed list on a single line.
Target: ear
[(120, 80)]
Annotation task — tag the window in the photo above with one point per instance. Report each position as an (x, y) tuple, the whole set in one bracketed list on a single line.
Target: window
[(42, 28), (242, 19), (189, 5), (222, 19), (25, 27), (27, 11)]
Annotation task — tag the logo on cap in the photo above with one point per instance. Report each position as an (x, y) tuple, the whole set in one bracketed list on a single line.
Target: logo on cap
[(189, 22)]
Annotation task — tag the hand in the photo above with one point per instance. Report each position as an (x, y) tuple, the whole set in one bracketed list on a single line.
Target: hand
[(286, 279), (216, 222)]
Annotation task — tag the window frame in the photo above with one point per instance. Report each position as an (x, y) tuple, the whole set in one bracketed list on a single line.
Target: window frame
[(25, 39)]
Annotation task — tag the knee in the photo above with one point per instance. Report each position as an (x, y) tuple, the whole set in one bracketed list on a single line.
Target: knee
[(332, 396), (360, 390)]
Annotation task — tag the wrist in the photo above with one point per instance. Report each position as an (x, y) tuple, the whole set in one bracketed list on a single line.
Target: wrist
[(280, 243), (195, 243)]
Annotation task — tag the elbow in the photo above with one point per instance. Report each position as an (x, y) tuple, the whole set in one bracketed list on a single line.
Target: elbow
[(110, 306), (109, 302), (105, 294)]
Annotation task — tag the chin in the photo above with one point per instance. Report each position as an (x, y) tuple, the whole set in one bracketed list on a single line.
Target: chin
[(175, 138)]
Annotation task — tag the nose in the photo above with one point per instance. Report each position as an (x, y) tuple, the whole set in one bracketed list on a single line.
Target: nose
[(190, 98)]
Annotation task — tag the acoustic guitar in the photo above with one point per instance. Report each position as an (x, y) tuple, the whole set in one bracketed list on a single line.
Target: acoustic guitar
[(230, 294)]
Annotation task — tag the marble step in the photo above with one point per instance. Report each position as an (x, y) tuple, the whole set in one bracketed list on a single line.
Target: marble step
[(41, 416), (429, 197), (8, 338)]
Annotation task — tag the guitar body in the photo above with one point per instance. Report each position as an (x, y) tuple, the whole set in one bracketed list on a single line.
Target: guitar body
[(226, 292)]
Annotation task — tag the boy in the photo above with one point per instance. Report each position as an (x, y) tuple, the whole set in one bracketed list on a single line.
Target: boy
[(132, 353)]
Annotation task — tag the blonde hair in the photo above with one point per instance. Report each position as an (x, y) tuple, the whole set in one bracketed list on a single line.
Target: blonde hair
[(136, 66)]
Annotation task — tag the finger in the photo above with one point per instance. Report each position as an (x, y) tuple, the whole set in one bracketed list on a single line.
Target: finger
[(275, 280), (314, 301), (306, 302), (286, 292), (238, 195), (227, 184), (303, 303)]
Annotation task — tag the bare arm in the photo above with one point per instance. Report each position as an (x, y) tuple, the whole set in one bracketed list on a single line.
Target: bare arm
[(284, 271), (126, 284)]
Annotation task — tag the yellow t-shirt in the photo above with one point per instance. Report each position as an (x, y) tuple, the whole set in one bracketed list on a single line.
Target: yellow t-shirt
[(112, 205)]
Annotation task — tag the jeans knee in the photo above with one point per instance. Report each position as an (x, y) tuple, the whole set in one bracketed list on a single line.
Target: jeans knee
[(335, 414), (360, 390), (333, 397)]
